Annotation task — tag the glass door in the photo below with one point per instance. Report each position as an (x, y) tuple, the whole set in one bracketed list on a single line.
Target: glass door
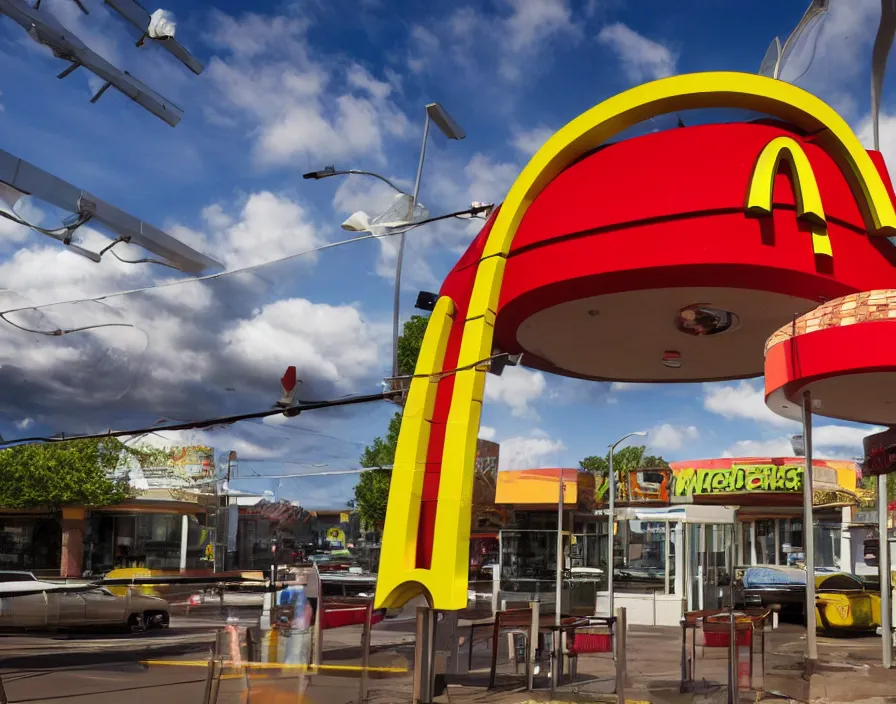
[(710, 565)]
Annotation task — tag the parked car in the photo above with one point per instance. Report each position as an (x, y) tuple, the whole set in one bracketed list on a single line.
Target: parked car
[(26, 602), (842, 601)]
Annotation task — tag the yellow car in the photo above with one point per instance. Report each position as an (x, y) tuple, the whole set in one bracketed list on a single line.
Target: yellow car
[(843, 604)]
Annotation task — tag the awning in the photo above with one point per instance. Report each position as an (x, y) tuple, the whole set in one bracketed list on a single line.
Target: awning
[(689, 513)]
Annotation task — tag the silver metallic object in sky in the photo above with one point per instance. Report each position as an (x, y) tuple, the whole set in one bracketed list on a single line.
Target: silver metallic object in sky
[(45, 29), (136, 14), (29, 179)]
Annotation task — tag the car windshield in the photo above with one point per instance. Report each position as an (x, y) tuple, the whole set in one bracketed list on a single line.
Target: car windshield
[(17, 577)]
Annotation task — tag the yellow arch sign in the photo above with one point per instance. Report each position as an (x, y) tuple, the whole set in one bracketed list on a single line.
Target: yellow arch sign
[(445, 584)]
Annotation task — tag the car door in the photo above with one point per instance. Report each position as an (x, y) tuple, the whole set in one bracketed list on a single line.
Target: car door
[(70, 609), (103, 607), (29, 611)]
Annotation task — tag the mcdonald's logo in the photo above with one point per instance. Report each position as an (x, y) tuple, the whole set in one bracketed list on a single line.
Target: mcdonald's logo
[(808, 199), (425, 546)]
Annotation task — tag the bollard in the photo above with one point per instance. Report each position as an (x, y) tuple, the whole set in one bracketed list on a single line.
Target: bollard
[(620, 628)]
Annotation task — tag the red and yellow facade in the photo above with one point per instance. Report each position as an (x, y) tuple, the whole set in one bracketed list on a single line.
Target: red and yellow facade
[(767, 219)]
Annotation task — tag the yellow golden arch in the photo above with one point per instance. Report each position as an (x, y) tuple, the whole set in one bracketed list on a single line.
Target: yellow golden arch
[(445, 583)]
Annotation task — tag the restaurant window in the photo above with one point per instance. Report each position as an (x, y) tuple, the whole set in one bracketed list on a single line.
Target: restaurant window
[(29, 543)]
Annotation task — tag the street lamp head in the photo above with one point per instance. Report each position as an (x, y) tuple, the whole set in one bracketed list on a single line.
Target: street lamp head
[(322, 173), (358, 221), (444, 121)]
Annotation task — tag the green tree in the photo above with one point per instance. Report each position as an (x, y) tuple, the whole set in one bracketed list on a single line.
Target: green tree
[(624, 460), (372, 490), (68, 473)]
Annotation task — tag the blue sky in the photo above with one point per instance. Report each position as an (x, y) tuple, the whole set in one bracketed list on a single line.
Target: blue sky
[(290, 87)]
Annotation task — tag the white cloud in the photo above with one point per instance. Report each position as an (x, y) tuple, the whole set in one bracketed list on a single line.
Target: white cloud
[(486, 432), (741, 400), (517, 388), (527, 142), (508, 43), (423, 45), (642, 59), (267, 227), (532, 22), (623, 386), (307, 106), (828, 442), (667, 437), (24, 424), (529, 452)]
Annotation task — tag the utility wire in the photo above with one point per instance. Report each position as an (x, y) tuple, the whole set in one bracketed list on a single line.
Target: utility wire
[(210, 277), (210, 422)]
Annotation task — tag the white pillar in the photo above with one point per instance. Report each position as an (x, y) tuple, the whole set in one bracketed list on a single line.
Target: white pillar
[(777, 560), (184, 534), (753, 545), (847, 559)]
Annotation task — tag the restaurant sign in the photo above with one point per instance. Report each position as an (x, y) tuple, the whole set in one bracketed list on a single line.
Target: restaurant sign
[(737, 479)]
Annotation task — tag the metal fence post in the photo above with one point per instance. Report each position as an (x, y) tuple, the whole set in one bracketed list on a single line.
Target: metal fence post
[(621, 665), (732, 659), (533, 645), (365, 650), (209, 679)]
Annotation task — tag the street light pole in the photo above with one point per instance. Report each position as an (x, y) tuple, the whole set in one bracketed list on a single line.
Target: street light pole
[(434, 113), (611, 522), (560, 565)]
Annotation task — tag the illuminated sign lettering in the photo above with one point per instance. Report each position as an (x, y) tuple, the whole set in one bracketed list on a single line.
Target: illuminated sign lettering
[(738, 479), (880, 453)]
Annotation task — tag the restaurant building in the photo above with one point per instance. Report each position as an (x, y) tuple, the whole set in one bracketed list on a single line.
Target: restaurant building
[(682, 533)]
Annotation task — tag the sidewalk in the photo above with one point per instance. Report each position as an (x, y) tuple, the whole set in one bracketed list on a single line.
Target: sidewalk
[(848, 672)]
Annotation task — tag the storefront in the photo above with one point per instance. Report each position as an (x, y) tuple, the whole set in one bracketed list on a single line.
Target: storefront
[(31, 541), (681, 534)]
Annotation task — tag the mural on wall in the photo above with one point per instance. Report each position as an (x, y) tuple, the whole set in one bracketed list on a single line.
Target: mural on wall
[(640, 486)]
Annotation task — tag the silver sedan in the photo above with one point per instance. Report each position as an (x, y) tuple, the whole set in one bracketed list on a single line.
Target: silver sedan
[(92, 608)]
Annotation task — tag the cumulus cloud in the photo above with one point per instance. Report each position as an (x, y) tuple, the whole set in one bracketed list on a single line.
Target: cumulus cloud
[(531, 451), (517, 388), (178, 349), (642, 59), (487, 433), (264, 228), (829, 442), (742, 400), (527, 142), (307, 106), (669, 438)]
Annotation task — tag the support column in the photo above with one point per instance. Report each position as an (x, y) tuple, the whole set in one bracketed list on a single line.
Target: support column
[(184, 534), (72, 558), (883, 560), (809, 539)]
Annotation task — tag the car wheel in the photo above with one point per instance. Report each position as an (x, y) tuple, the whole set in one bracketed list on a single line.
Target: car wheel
[(136, 623), (156, 619)]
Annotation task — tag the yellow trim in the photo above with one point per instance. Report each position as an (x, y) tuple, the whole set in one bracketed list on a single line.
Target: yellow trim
[(808, 198), (398, 554), (271, 666), (446, 582)]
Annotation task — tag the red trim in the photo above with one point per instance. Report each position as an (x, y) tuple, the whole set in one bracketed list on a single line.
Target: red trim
[(862, 348)]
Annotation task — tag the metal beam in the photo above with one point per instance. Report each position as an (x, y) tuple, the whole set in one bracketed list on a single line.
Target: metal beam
[(31, 180), (136, 14), (45, 29)]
